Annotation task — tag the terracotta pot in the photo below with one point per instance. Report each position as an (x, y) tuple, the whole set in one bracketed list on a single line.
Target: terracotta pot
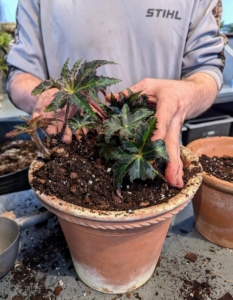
[(213, 202), (117, 251)]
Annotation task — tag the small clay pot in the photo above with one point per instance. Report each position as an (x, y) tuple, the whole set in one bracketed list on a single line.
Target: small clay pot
[(213, 202), (117, 251)]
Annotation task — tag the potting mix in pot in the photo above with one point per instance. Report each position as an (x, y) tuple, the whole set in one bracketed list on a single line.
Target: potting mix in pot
[(16, 155), (220, 167), (111, 164)]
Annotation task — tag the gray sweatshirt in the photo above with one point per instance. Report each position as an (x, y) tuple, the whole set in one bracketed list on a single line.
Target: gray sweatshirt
[(147, 39)]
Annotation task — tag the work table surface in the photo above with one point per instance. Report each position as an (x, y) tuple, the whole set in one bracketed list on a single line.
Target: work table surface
[(44, 269)]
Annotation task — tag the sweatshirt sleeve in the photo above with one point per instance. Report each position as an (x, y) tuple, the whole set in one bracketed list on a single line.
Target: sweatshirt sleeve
[(204, 49), (26, 53)]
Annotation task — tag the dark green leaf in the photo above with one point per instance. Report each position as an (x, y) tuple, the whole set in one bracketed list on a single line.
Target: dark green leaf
[(126, 123), (59, 101), (154, 150), (94, 96), (81, 102), (79, 121), (65, 70), (90, 67), (97, 83), (43, 86), (75, 68)]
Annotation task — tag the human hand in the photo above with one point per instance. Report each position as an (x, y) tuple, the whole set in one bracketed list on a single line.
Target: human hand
[(43, 101), (171, 98)]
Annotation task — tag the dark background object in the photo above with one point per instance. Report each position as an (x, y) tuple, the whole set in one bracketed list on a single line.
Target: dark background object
[(216, 121), (17, 181)]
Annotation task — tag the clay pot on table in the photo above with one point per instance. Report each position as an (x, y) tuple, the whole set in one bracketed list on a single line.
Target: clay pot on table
[(213, 202), (117, 251)]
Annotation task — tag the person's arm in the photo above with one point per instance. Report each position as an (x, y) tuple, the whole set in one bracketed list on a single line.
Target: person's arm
[(26, 59), (20, 89), (27, 66), (204, 48)]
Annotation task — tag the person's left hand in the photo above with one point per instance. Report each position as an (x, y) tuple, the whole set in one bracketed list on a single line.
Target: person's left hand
[(172, 100)]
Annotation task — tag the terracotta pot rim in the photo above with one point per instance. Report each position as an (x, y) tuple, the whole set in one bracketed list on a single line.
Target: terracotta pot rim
[(115, 216), (217, 183), (209, 179)]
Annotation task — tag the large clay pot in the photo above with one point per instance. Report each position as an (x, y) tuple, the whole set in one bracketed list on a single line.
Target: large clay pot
[(117, 251), (213, 202)]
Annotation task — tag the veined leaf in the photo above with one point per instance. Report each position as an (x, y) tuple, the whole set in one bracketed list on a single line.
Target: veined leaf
[(138, 157), (78, 122), (97, 83), (43, 86), (140, 168), (133, 97), (130, 147), (19, 129), (65, 70), (154, 150), (106, 150), (135, 165), (81, 102), (125, 122), (112, 126), (75, 68), (122, 165), (115, 105), (133, 120), (131, 92), (134, 101), (59, 101), (90, 67), (57, 83), (31, 125), (93, 95), (150, 150)]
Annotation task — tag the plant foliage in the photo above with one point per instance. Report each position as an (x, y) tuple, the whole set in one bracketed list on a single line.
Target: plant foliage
[(5, 39), (124, 128)]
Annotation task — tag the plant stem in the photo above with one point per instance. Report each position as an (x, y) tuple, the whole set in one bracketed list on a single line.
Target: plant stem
[(45, 152), (96, 107), (67, 113)]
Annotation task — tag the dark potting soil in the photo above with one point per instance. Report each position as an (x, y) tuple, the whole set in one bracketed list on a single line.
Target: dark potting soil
[(16, 155), (77, 175), (220, 167), (195, 290)]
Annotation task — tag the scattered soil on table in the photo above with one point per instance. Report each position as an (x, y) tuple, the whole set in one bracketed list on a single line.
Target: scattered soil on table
[(191, 256), (220, 167), (195, 290), (194, 280), (16, 155), (77, 175), (49, 255)]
